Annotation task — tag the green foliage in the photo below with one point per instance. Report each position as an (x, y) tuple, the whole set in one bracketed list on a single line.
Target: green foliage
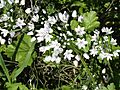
[(73, 24), (2, 64), (109, 87), (24, 47), (90, 21), (66, 87), (16, 86)]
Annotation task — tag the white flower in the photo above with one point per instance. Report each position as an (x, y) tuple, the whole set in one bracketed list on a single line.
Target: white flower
[(52, 20), (80, 18), (69, 33), (93, 51), (20, 23), (94, 38), (12, 33), (16, 1), (104, 71), (43, 10), (58, 59), (4, 17), (30, 33), (77, 57), (107, 30), (2, 41), (57, 50), (108, 56), (31, 26), (36, 9), (22, 2), (75, 62), (86, 56), (84, 87), (74, 13), (35, 18), (68, 54), (10, 1), (2, 3), (102, 55), (33, 39), (115, 53), (54, 44), (63, 17), (105, 38), (28, 10), (47, 59), (81, 43), (4, 32), (48, 37), (80, 31), (113, 41)]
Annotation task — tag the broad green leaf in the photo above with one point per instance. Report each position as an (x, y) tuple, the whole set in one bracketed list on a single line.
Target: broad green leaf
[(73, 24), (24, 64), (66, 87), (90, 21), (22, 50), (2, 64), (15, 86), (111, 86)]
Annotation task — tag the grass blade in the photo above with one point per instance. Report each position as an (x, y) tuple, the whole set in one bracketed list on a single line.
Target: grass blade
[(2, 64)]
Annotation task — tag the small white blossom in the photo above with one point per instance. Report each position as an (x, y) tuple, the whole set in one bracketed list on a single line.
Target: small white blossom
[(10, 1), (43, 10), (4, 32), (52, 20), (81, 43), (113, 41), (86, 56), (33, 39), (22, 2), (69, 33), (16, 1), (75, 62), (20, 23), (107, 30), (93, 51), (74, 13), (47, 59), (80, 31), (108, 56), (115, 53), (4, 17), (80, 18), (68, 54), (2, 41), (35, 18), (84, 87), (104, 71), (28, 10), (63, 17), (31, 26), (30, 33), (77, 57)]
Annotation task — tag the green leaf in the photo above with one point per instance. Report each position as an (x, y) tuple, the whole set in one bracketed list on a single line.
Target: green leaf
[(65, 87), (111, 86), (73, 24), (90, 21), (16, 86), (22, 50), (2, 64), (24, 64)]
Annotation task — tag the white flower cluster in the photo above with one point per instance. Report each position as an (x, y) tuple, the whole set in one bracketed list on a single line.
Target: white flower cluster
[(54, 35)]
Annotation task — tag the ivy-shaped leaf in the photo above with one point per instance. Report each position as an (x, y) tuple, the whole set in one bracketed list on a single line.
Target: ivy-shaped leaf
[(90, 21), (22, 50), (73, 24), (16, 86)]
